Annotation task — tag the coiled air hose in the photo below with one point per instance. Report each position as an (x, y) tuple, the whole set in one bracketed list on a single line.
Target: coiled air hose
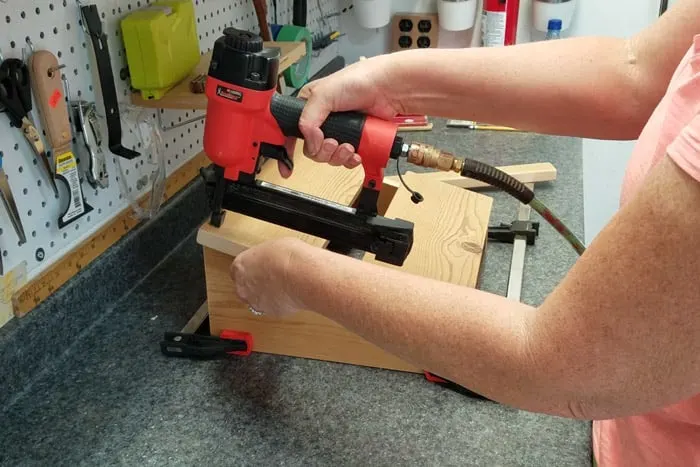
[(427, 156)]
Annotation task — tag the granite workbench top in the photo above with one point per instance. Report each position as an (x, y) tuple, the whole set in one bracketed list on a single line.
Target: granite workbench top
[(84, 381)]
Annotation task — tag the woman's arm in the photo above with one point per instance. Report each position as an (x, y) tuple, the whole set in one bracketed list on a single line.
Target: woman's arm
[(620, 335), (598, 87)]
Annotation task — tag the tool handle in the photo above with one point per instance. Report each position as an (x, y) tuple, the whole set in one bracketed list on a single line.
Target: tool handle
[(344, 127), (51, 103)]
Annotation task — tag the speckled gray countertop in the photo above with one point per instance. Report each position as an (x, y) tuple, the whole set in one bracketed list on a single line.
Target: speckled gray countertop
[(84, 382)]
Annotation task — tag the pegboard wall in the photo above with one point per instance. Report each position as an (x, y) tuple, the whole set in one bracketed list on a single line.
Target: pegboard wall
[(56, 26)]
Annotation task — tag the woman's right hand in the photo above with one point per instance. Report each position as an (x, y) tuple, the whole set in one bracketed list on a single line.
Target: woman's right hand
[(367, 86)]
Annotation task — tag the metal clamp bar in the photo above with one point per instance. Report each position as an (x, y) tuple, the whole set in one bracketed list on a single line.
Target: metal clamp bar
[(517, 263)]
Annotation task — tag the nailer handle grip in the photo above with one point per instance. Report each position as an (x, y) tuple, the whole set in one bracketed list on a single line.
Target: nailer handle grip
[(344, 127)]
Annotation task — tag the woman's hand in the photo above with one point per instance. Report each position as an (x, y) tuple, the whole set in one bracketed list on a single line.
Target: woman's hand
[(260, 274), (363, 86)]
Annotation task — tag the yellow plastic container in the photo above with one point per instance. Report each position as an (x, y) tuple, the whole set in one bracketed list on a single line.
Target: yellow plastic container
[(162, 47)]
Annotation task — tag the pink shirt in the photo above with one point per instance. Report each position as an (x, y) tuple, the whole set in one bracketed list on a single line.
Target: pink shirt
[(669, 436)]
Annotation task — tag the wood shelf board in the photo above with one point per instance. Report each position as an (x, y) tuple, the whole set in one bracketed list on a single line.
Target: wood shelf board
[(180, 97)]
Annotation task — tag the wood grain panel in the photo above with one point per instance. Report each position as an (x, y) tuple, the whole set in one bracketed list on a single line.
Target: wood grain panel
[(451, 226), (305, 334)]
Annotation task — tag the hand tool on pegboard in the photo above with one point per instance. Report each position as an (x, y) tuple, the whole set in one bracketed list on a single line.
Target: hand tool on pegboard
[(16, 97), (92, 25), (84, 116), (247, 121), (49, 90), (261, 12)]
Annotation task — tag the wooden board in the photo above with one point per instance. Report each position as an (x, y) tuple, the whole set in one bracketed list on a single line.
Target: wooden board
[(180, 96), (450, 236), (39, 289), (526, 173), (304, 334), (451, 226)]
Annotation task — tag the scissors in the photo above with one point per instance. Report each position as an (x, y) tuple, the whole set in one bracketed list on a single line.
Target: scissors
[(16, 96)]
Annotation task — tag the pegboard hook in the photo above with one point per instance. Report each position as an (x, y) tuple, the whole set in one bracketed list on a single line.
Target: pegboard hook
[(165, 129)]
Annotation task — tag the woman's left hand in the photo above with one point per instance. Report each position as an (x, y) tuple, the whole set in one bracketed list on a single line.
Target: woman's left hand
[(262, 273)]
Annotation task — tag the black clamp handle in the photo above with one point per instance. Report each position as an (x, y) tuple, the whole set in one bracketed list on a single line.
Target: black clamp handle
[(175, 344), (506, 233)]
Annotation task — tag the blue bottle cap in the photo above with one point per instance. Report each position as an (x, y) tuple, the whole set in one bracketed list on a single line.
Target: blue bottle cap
[(554, 25)]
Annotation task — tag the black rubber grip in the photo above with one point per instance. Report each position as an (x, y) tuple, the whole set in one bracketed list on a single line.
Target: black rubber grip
[(497, 178), (344, 127)]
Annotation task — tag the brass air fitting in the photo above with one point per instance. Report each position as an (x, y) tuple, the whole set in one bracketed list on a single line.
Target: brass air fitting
[(428, 156)]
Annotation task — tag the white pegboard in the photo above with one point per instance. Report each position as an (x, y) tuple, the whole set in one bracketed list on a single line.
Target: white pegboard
[(55, 25)]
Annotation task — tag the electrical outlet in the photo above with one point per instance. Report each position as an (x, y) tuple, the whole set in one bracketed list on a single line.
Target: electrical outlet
[(414, 31)]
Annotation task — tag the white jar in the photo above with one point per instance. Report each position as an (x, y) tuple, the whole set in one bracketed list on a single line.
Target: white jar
[(544, 10), (372, 14), (457, 15)]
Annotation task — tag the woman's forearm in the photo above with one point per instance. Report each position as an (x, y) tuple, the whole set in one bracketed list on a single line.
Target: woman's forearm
[(586, 87), (471, 337)]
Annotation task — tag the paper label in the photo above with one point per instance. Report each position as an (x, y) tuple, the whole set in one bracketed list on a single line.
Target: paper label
[(67, 167), (493, 28)]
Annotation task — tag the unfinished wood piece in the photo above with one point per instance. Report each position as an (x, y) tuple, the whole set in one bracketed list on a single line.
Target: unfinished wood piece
[(305, 334), (450, 230), (526, 173), (450, 236), (408, 128)]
